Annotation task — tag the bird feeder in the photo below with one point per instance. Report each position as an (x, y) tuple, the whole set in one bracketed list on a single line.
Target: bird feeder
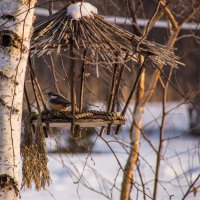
[(94, 43)]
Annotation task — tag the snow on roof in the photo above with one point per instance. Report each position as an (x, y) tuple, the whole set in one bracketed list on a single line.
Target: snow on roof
[(81, 9)]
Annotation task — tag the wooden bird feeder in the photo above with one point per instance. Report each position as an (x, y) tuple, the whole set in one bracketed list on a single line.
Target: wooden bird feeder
[(93, 43)]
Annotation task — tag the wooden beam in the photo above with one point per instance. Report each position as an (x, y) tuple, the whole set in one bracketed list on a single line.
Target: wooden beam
[(83, 123)]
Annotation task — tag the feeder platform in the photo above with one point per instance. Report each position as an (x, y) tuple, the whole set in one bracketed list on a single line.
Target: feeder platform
[(83, 119)]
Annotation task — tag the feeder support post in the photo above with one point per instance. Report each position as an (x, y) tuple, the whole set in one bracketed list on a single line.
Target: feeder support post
[(73, 84), (16, 19)]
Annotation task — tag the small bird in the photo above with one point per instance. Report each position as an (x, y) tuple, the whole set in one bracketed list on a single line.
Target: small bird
[(57, 102)]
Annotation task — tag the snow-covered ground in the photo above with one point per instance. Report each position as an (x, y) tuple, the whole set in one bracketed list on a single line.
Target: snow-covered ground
[(97, 176)]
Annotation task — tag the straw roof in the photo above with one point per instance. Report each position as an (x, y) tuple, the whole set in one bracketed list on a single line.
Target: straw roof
[(103, 40)]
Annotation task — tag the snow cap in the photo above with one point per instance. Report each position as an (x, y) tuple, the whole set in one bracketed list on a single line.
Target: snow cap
[(81, 9)]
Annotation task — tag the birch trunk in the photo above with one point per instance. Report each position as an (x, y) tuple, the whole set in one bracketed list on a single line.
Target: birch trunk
[(16, 20)]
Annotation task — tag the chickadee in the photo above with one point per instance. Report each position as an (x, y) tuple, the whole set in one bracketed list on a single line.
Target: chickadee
[(57, 102)]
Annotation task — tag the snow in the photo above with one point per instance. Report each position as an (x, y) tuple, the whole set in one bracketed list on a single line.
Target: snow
[(81, 9), (102, 169)]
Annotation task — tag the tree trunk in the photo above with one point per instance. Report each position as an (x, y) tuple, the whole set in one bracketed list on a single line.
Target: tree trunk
[(16, 18), (141, 100)]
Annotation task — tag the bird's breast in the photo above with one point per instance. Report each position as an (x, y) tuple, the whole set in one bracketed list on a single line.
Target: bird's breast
[(58, 107)]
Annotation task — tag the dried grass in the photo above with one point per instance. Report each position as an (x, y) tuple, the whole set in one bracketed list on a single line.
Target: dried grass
[(34, 157)]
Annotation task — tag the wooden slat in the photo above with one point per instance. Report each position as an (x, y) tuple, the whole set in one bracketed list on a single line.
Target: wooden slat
[(84, 123)]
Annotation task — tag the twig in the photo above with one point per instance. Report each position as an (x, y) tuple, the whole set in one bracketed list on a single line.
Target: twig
[(141, 179), (50, 7), (120, 75), (132, 92), (35, 95), (65, 72), (148, 25), (190, 187), (161, 136), (33, 75), (54, 75)]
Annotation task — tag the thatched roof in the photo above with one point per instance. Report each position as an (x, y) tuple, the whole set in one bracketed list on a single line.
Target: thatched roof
[(101, 39)]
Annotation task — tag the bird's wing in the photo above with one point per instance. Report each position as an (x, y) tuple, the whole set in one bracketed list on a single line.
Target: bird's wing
[(62, 101)]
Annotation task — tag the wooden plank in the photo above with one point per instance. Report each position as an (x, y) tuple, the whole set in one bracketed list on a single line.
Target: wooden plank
[(84, 123)]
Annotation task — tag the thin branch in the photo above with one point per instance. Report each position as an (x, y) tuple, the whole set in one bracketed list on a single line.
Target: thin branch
[(190, 187)]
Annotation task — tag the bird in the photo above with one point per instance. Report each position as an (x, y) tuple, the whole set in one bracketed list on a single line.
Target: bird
[(57, 103)]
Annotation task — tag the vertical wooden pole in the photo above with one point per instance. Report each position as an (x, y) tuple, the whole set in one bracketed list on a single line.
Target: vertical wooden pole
[(120, 75), (27, 99), (132, 91), (73, 92), (111, 99), (82, 80), (117, 86)]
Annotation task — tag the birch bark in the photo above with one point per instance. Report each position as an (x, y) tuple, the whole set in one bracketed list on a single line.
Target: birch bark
[(16, 18)]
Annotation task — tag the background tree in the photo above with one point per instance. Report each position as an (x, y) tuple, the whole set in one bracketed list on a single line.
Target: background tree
[(167, 10)]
